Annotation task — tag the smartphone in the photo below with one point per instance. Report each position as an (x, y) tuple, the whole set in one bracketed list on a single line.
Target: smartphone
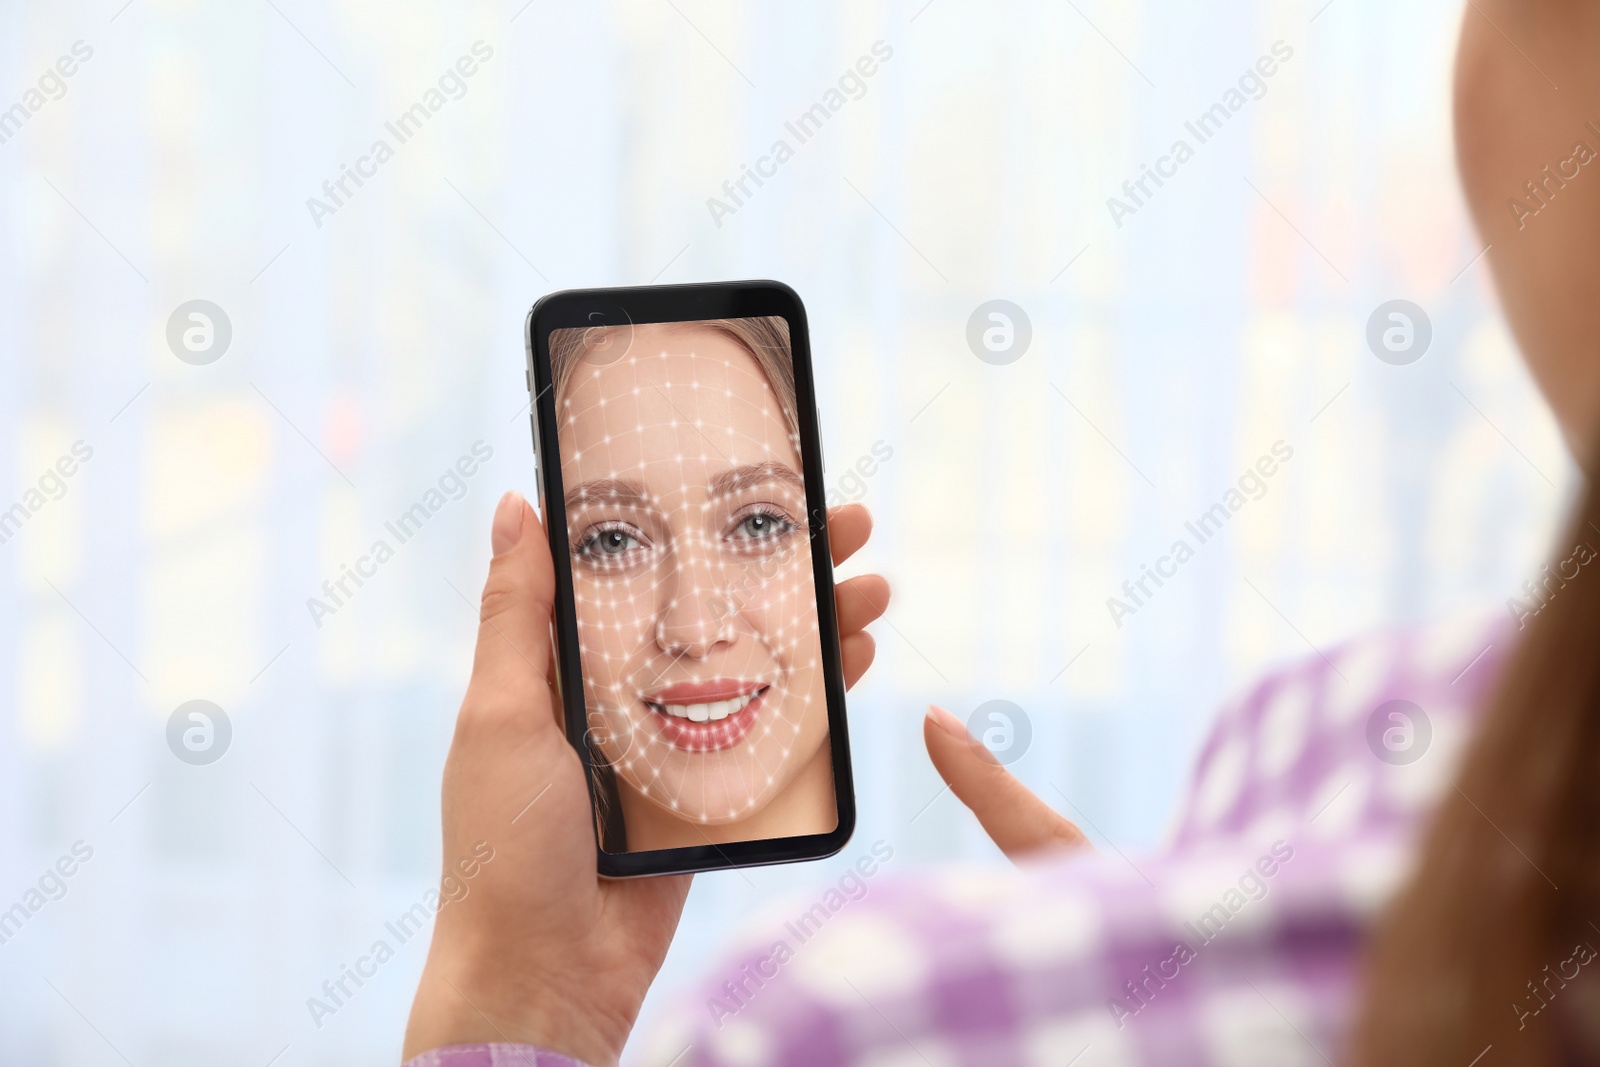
[(680, 477)]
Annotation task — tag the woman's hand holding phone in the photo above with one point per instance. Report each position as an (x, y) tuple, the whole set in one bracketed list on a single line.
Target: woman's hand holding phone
[(540, 950)]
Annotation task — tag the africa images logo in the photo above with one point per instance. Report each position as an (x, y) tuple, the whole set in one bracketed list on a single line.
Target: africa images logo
[(851, 85), (451, 486), (1209, 123), (451, 85), (1252, 485), (1252, 886), (753, 976)]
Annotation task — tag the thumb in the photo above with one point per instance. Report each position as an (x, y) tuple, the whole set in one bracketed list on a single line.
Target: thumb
[(511, 665), (1016, 820)]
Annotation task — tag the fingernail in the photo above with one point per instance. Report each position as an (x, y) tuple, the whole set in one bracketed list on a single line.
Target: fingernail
[(507, 528), (947, 722)]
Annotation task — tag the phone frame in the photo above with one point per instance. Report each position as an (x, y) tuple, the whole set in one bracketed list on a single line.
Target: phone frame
[(645, 305)]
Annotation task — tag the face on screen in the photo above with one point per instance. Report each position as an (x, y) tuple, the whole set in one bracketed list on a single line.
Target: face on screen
[(692, 575)]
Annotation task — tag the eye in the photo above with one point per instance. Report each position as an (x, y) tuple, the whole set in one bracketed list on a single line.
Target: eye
[(610, 543), (761, 524)]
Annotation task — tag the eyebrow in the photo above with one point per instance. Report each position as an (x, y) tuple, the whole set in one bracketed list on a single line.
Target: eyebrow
[(609, 489), (731, 481), (620, 491)]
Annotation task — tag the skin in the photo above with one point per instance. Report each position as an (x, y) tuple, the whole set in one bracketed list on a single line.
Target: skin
[(549, 955), (706, 575), (1510, 124)]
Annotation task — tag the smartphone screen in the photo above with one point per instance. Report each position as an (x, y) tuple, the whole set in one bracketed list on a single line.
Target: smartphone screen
[(697, 599)]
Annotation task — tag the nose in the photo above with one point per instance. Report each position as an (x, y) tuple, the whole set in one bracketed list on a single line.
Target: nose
[(695, 615)]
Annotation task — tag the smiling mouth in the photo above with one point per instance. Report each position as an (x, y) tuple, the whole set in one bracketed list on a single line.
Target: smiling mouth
[(715, 711), (707, 716)]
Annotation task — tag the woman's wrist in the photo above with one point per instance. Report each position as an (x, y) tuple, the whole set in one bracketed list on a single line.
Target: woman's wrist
[(467, 1006), (491, 1054)]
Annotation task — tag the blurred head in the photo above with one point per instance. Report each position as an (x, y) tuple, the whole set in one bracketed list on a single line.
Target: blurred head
[(1481, 941), (1512, 124), (691, 561)]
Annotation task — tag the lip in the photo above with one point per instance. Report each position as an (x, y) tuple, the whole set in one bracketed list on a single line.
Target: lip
[(705, 692), (711, 736)]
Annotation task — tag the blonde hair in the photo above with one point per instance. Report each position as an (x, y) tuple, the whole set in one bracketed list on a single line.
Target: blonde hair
[(766, 338)]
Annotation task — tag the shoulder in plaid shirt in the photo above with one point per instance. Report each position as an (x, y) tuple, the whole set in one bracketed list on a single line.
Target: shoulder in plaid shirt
[(1237, 944)]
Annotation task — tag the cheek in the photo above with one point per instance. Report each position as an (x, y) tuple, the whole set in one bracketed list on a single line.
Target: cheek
[(612, 617), (783, 611)]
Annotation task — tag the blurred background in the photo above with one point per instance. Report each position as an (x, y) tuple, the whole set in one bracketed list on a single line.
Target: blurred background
[(354, 343)]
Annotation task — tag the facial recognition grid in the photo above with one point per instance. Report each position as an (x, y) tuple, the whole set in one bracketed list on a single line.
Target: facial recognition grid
[(693, 585)]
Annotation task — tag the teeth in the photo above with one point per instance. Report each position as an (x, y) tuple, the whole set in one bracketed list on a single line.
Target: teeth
[(712, 712)]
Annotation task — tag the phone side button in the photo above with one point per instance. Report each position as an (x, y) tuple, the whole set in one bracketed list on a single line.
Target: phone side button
[(538, 474)]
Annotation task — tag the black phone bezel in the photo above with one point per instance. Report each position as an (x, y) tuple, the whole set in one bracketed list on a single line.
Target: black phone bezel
[(643, 305)]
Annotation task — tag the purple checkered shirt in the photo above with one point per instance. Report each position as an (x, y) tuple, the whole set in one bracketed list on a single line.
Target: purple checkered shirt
[(1236, 944)]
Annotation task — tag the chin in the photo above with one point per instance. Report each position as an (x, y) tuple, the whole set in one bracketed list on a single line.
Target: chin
[(713, 793)]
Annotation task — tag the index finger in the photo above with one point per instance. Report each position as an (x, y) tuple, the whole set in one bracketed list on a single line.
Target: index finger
[(1017, 821)]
